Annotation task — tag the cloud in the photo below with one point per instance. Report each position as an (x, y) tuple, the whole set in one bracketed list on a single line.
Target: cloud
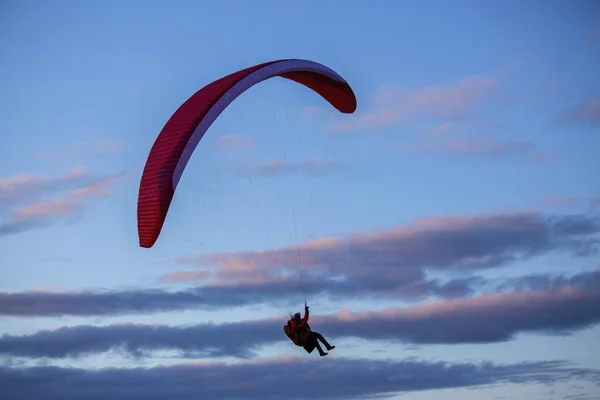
[(28, 202), (334, 379), (462, 243), (393, 264), (543, 305), (489, 318), (212, 296), (587, 113), (18, 187), (543, 282), (277, 168), (90, 303), (235, 142), (456, 100)]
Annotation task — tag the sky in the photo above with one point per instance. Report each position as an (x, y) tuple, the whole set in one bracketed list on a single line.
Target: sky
[(446, 235)]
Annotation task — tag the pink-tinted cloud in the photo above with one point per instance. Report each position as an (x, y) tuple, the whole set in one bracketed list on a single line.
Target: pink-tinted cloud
[(401, 284), (462, 243), (28, 201), (235, 142), (560, 311), (456, 100), (392, 264), (545, 305), (23, 185), (587, 113)]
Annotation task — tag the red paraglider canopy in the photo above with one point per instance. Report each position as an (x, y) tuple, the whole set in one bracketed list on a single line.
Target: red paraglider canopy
[(186, 127)]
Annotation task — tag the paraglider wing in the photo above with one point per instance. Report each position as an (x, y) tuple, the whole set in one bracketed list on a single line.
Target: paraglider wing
[(182, 132)]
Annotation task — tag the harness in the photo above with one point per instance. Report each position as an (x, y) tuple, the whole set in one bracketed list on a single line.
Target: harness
[(297, 333)]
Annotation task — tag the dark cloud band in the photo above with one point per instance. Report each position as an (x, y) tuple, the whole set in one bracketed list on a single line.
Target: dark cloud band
[(484, 319), (334, 379)]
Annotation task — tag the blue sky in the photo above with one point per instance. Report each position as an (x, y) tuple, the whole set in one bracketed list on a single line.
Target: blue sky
[(457, 208)]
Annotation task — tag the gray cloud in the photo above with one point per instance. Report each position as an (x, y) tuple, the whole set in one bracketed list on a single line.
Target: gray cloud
[(114, 302), (87, 303), (206, 340), (496, 317), (269, 380), (589, 280)]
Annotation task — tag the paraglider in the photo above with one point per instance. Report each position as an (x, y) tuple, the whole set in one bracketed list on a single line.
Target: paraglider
[(183, 131), (186, 127), (299, 332)]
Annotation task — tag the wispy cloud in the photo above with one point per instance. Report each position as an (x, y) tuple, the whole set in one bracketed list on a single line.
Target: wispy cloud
[(28, 202), (456, 100), (544, 305), (235, 142), (26, 185), (587, 113), (275, 168), (337, 379)]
